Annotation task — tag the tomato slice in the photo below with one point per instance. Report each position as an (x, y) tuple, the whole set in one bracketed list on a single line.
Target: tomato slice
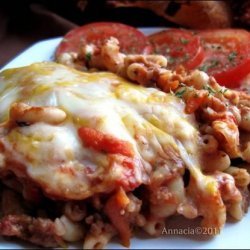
[(227, 55), (132, 41), (181, 47)]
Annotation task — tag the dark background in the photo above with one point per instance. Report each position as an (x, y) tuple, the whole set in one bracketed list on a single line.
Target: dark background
[(24, 22)]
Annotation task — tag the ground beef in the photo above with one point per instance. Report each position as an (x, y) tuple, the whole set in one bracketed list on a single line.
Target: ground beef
[(38, 231)]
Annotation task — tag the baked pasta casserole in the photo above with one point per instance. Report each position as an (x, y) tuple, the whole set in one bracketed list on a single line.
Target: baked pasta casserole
[(86, 156)]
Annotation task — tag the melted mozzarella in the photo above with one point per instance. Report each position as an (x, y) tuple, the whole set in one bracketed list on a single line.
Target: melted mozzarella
[(56, 159)]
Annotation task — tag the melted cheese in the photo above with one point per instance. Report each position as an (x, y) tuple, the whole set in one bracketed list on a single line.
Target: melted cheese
[(55, 158)]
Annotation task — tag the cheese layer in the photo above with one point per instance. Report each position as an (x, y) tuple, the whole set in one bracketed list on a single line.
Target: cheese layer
[(56, 159)]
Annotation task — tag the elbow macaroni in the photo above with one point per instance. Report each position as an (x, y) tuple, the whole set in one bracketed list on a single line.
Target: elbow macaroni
[(148, 155)]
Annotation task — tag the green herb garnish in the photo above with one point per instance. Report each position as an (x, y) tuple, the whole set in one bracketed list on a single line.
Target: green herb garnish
[(171, 60), (210, 90), (213, 63), (180, 93), (232, 56), (223, 90), (184, 41), (210, 65), (88, 57), (204, 67)]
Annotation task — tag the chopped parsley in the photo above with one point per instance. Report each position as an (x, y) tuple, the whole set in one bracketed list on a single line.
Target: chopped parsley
[(180, 92), (184, 41), (204, 67), (216, 47), (223, 90), (210, 65), (232, 56), (171, 60), (88, 56), (214, 63), (209, 89)]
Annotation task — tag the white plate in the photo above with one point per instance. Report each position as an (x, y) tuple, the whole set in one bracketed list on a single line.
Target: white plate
[(233, 236), (44, 51)]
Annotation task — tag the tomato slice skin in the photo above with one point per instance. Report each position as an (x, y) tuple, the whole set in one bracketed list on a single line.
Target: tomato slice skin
[(132, 41), (179, 46), (233, 78), (196, 60), (227, 55)]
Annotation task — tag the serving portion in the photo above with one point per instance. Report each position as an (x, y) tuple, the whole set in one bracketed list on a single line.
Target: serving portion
[(86, 156)]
